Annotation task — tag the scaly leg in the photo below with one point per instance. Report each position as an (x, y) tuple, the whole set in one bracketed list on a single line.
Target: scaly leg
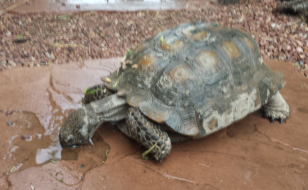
[(94, 93), (276, 108)]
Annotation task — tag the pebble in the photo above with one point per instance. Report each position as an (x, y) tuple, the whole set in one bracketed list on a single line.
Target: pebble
[(299, 49), (26, 137), (299, 43), (50, 56), (12, 64), (10, 123), (8, 33)]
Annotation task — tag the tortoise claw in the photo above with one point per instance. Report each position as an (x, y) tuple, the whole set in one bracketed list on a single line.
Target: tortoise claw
[(264, 115), (281, 121), (272, 120)]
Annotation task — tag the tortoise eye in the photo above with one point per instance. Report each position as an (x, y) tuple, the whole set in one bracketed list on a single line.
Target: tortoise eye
[(69, 139)]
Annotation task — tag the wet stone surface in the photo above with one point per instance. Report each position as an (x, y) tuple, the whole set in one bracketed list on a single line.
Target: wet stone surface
[(33, 106), (250, 154), (20, 141)]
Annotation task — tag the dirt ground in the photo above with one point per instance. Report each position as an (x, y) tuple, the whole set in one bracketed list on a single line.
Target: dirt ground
[(250, 154)]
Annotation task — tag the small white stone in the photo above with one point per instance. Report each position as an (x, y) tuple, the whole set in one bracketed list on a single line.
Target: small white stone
[(273, 25), (299, 49)]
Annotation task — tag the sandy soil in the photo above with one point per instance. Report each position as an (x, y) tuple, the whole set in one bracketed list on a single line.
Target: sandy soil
[(250, 154)]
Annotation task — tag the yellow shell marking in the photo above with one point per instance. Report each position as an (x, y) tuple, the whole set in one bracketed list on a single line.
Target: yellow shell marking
[(134, 66), (208, 59), (147, 61), (171, 44), (231, 49), (249, 43), (179, 73), (194, 33)]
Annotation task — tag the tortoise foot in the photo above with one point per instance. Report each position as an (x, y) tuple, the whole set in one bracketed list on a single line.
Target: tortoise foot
[(276, 109)]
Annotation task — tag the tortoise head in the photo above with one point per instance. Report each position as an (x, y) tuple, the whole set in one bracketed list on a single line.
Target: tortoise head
[(75, 129)]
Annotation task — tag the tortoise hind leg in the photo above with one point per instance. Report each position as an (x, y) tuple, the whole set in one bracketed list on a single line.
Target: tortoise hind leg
[(148, 134), (276, 108)]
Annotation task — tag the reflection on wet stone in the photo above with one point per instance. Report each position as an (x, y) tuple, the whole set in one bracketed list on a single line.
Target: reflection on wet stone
[(53, 152)]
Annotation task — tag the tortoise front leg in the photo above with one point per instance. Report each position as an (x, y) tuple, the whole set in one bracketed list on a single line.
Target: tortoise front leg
[(148, 134), (276, 108), (96, 92)]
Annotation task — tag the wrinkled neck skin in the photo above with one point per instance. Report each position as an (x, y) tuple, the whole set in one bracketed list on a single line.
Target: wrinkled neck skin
[(109, 109), (81, 124)]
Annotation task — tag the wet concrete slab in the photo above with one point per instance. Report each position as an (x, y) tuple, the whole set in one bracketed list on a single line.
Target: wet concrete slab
[(108, 5), (250, 154)]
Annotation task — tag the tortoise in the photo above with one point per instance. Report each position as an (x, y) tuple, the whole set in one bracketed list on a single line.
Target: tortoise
[(294, 7), (184, 83)]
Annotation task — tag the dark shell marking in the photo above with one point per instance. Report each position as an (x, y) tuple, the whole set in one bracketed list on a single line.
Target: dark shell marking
[(197, 78)]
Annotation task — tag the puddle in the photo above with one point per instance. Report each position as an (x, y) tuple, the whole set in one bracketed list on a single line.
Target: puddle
[(22, 134), (33, 105), (108, 5)]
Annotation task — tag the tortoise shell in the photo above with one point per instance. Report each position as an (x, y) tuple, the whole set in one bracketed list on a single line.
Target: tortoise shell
[(196, 78)]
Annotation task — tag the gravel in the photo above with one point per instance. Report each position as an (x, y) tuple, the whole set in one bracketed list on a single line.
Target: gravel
[(44, 39)]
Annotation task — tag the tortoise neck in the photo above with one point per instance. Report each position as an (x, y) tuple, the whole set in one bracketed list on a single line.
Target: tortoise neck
[(109, 109)]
